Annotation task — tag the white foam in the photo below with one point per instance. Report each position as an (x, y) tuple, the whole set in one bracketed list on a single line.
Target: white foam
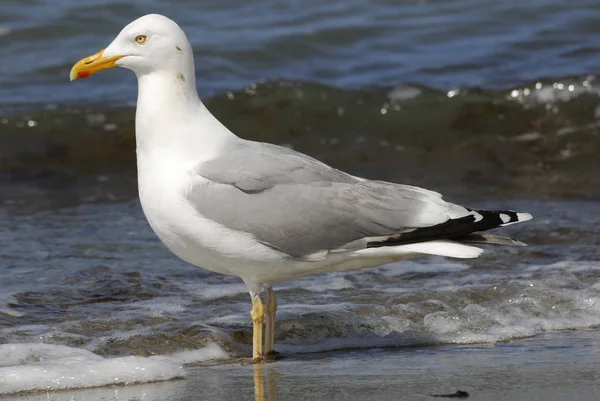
[(6, 298), (215, 291), (5, 310), (30, 367), (404, 92), (161, 306), (35, 330), (155, 391), (209, 353), (566, 265), (528, 137), (334, 282), (550, 93), (410, 267)]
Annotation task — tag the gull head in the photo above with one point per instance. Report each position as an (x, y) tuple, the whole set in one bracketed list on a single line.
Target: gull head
[(152, 43)]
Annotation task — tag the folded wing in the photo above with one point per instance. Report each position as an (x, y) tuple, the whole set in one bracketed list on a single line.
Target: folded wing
[(300, 206)]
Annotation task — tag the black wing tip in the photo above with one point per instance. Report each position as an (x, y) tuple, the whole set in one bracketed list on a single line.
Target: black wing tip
[(502, 218), (454, 229)]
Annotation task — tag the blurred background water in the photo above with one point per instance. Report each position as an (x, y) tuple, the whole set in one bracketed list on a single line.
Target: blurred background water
[(347, 44), (494, 103)]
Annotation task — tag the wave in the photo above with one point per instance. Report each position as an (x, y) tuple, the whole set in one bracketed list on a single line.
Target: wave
[(442, 303), (538, 138), (42, 367)]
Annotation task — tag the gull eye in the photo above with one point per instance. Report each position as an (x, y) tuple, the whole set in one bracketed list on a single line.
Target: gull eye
[(140, 39)]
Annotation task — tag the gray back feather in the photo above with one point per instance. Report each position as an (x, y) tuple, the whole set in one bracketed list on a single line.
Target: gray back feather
[(301, 206)]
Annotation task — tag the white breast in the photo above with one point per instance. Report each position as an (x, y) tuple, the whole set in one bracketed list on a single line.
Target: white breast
[(202, 242)]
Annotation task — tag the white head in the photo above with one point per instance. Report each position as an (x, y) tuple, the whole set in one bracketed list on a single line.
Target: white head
[(150, 44)]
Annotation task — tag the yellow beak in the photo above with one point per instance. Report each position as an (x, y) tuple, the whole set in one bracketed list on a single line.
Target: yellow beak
[(92, 64)]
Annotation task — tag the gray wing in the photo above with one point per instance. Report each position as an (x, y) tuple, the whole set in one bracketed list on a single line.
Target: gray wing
[(301, 206)]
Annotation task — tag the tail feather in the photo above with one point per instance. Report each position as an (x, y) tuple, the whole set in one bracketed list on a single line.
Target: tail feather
[(465, 228), (443, 248), (490, 239)]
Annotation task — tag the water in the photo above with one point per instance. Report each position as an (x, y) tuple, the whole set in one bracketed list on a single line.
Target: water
[(349, 44), (95, 277), (540, 368), (493, 104)]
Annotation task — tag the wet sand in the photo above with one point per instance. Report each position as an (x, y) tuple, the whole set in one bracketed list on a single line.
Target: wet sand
[(557, 366)]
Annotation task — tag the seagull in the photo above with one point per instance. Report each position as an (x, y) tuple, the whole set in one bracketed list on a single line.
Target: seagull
[(262, 212)]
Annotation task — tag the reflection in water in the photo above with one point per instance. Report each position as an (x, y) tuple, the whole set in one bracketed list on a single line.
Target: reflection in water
[(259, 383)]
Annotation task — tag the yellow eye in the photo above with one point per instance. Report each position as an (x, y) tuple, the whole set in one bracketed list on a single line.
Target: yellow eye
[(140, 39)]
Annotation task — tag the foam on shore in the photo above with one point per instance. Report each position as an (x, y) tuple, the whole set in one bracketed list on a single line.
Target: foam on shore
[(43, 367)]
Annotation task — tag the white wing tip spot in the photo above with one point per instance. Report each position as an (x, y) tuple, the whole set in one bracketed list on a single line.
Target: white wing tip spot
[(521, 217), (524, 216)]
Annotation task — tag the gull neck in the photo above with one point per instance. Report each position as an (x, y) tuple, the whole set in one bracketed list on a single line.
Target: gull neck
[(171, 118)]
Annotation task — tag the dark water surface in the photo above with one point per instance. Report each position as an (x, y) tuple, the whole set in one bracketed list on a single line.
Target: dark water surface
[(492, 103), (348, 44)]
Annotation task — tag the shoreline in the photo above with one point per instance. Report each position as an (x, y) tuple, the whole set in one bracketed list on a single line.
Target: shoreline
[(556, 366)]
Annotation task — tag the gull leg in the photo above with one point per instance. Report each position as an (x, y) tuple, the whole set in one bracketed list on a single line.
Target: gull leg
[(270, 322), (257, 314)]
